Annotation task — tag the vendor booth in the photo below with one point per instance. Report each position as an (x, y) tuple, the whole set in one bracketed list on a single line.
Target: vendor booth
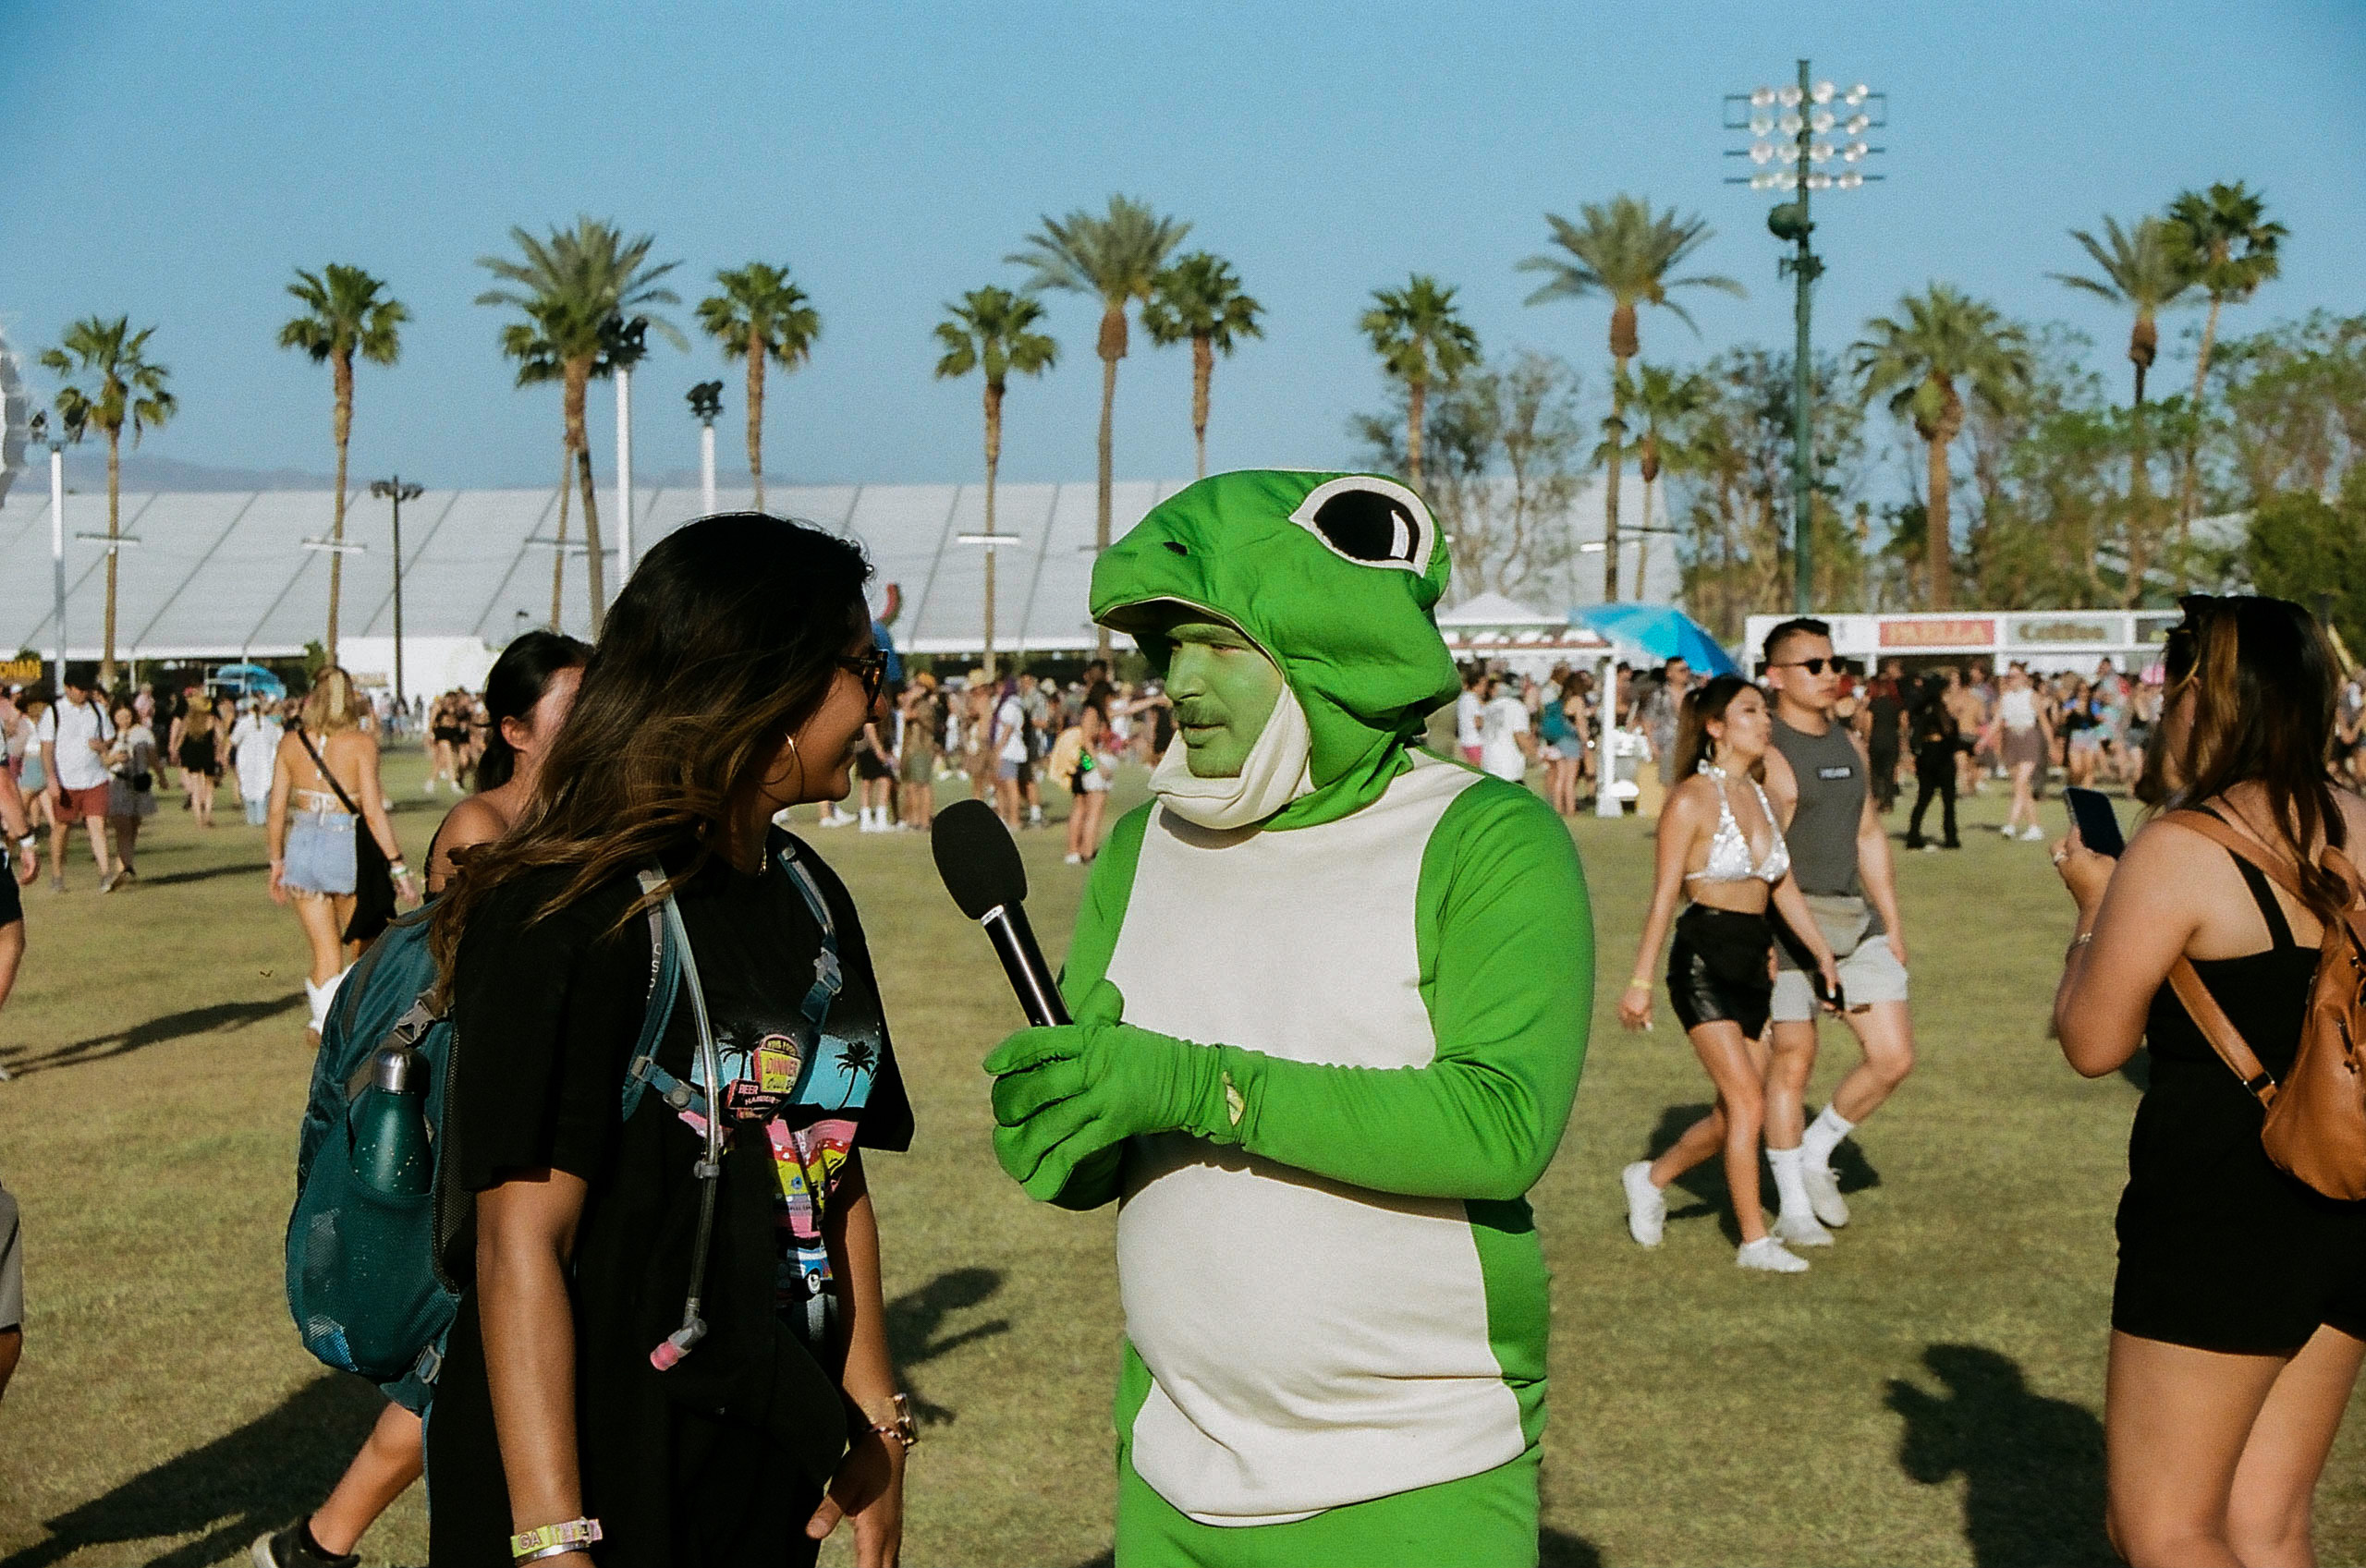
[(2046, 640)]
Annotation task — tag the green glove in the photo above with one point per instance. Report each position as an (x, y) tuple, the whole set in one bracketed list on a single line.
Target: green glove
[(1064, 1094)]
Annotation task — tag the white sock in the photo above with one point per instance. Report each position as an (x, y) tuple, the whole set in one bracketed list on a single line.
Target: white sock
[(1826, 1131), (1790, 1187)]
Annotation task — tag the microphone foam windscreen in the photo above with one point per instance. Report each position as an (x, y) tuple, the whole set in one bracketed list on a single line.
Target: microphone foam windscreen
[(977, 859)]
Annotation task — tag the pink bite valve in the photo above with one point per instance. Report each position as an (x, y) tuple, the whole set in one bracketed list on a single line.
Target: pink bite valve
[(677, 1344)]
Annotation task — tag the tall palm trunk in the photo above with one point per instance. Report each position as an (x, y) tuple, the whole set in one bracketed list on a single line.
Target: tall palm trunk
[(1618, 460), (579, 378), (559, 552), (115, 513), (756, 417), (1941, 542), (1112, 349), (341, 370), (993, 461), (2190, 486), (1203, 369), (1417, 403), (1647, 468)]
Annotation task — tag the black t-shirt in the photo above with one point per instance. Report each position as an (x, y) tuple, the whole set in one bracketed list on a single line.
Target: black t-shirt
[(707, 1461)]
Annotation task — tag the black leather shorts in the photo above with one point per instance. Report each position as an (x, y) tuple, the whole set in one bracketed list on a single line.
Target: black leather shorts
[(1717, 969)]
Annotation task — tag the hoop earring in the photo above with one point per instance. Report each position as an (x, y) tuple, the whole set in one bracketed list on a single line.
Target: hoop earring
[(798, 757)]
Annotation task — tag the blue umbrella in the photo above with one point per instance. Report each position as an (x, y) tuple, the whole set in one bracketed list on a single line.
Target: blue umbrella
[(1661, 630)]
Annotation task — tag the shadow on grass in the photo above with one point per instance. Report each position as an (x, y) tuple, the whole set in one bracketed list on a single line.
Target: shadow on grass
[(207, 873), (1705, 1183), (229, 1491), (915, 1318), (155, 1031), (2032, 1467)]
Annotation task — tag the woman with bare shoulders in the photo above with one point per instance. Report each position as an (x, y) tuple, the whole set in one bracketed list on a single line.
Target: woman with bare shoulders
[(1719, 845), (327, 772), (526, 699), (2239, 1315)]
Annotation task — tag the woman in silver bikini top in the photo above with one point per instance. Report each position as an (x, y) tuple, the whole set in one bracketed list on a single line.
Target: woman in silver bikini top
[(1729, 858)]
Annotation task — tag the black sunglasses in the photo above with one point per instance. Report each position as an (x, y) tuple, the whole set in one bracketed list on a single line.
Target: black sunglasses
[(1813, 666), (870, 667)]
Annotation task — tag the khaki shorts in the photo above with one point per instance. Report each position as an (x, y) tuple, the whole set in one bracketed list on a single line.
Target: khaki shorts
[(1870, 974)]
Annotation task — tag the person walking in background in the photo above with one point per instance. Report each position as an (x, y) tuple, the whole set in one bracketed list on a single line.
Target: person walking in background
[(19, 863), (1505, 747), (131, 791), (2239, 1315), (1466, 707), (915, 753), (1659, 711), (1883, 717), (195, 747), (1560, 738), (324, 788), (1007, 743), (1938, 746), (1085, 761), (1840, 856), (74, 737), (254, 743), (1731, 862), (447, 742), (734, 675), (2022, 740), (527, 693)]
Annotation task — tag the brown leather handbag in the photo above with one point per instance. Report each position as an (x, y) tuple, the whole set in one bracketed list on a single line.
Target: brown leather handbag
[(2316, 1118)]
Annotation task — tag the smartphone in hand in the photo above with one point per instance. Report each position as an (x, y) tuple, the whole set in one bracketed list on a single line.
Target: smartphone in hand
[(2098, 825)]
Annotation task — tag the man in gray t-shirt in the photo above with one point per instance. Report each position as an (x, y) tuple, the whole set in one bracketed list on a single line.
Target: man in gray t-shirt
[(1816, 777)]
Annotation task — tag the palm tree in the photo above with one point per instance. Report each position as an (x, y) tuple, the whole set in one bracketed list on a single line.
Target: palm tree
[(2144, 270), (993, 330), (581, 291), (1940, 337), (1623, 250), (1116, 259), (760, 313), (1199, 297), (1421, 338), (115, 384), (343, 316), (1668, 403), (2225, 239)]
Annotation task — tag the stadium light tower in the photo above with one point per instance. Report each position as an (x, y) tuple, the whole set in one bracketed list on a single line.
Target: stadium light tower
[(395, 490), (1797, 133), (56, 444), (706, 404)]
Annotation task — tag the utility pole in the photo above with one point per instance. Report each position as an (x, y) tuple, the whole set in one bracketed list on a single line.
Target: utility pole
[(1803, 115), (395, 490), (623, 475), (56, 536)]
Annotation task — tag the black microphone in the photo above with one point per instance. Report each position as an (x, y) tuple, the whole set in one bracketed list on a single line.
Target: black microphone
[(983, 871)]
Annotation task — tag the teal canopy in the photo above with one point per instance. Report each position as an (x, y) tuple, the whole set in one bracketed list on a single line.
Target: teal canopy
[(1661, 630)]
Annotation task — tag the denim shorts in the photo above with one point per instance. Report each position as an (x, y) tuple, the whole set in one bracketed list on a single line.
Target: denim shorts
[(320, 853)]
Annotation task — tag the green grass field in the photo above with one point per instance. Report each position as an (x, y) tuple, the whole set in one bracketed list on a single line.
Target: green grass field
[(1930, 1393)]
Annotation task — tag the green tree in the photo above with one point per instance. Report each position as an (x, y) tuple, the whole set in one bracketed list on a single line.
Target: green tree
[(1625, 251), (585, 294), (1940, 337), (2224, 238), (1668, 402), (1116, 259), (992, 331), (1198, 299), (115, 383), (759, 314), (2143, 271), (2301, 547), (345, 315), (1421, 339)]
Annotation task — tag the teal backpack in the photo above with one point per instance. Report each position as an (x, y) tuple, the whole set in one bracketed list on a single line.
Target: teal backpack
[(365, 1280)]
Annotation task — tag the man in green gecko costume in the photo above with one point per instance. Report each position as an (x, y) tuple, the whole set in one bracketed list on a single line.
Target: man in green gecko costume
[(1330, 997)]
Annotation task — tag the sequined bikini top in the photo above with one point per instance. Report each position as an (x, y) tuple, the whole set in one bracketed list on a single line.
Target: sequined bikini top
[(1729, 860)]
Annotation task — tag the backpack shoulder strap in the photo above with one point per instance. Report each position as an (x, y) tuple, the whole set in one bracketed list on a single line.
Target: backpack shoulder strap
[(2220, 1031), (829, 975), (665, 983)]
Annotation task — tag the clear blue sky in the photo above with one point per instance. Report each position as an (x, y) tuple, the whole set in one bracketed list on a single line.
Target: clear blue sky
[(175, 162)]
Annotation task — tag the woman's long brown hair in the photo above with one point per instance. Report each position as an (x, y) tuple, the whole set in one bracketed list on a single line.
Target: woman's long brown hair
[(2264, 686), (724, 641)]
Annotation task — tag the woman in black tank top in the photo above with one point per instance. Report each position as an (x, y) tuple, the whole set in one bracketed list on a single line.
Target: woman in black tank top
[(2238, 1317)]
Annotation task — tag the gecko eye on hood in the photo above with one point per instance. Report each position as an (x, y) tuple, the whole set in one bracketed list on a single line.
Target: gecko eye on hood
[(1370, 522)]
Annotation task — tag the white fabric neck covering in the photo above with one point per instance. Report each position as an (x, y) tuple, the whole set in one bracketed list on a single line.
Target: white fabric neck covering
[(1277, 771)]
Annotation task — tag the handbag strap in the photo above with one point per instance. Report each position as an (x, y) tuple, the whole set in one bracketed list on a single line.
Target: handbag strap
[(2220, 1031), (321, 766)]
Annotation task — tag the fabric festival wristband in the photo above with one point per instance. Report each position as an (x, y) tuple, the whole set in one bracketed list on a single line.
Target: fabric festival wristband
[(552, 1540)]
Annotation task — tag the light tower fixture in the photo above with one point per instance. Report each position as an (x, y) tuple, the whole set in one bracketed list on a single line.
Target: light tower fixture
[(1804, 138), (706, 405)]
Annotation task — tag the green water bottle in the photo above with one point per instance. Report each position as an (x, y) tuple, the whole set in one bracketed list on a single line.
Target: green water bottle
[(392, 1151)]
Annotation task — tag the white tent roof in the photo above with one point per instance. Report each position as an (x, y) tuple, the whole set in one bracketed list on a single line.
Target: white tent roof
[(221, 574), (1493, 609)]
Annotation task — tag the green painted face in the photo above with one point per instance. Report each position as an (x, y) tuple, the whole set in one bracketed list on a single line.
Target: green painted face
[(1332, 578), (1223, 687)]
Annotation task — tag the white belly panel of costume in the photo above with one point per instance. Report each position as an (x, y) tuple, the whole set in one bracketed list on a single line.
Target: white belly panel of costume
[(1312, 1344)]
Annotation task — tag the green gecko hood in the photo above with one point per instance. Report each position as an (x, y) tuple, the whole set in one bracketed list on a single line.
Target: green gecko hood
[(1336, 577)]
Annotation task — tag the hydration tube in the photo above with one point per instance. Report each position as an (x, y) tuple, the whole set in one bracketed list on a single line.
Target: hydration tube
[(708, 1168)]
